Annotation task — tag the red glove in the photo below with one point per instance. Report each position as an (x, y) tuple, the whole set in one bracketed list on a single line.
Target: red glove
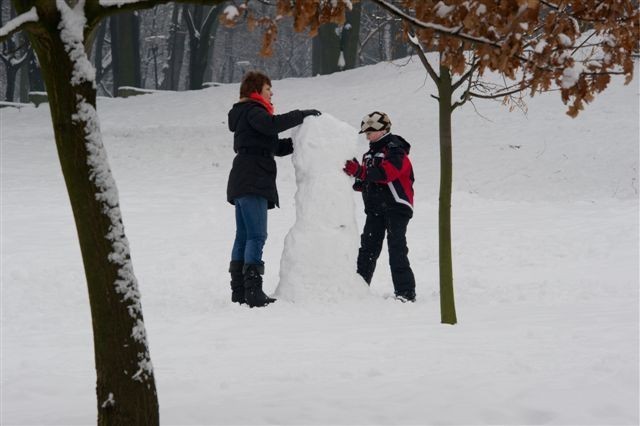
[(353, 168)]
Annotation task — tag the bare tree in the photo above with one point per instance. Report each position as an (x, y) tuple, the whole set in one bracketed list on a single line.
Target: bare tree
[(335, 46), (14, 55), (125, 50), (175, 51), (61, 33), (578, 45), (202, 22)]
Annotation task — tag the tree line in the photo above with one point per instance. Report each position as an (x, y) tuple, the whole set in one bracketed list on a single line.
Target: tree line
[(188, 47)]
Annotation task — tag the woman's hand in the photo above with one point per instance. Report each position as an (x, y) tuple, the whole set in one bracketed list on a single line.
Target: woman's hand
[(308, 112)]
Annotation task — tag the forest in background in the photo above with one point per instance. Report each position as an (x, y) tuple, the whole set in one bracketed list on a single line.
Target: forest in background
[(188, 47)]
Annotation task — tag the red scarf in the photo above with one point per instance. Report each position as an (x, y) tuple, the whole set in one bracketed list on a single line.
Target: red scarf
[(262, 101)]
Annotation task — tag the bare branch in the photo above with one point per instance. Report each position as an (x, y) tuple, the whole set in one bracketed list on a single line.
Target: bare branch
[(416, 44), (576, 14), (362, 43), (466, 95), (98, 9), (189, 20), (499, 95), (24, 21), (441, 29), (8, 60), (466, 75)]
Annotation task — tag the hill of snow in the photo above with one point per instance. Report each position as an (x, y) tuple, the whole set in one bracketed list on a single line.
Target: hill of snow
[(545, 249)]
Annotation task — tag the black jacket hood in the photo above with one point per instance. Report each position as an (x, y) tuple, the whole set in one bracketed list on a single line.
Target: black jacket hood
[(391, 139)]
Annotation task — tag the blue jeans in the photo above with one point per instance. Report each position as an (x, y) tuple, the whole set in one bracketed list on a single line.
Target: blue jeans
[(251, 229)]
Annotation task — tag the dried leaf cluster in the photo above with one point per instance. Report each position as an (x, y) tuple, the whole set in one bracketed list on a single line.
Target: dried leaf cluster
[(575, 45)]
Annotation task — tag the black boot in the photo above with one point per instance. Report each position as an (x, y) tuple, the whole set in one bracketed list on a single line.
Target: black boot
[(253, 294), (237, 281), (406, 296)]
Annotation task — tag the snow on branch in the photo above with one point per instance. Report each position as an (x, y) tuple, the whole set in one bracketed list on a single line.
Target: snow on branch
[(18, 23), (117, 3), (453, 31), (110, 7), (71, 28)]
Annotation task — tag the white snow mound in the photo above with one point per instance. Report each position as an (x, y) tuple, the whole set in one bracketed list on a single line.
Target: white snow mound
[(319, 257)]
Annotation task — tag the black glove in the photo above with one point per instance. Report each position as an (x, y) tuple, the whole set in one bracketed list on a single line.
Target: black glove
[(308, 112)]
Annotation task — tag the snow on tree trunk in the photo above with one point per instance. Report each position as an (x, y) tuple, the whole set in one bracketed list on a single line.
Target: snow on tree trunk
[(125, 384), (319, 257)]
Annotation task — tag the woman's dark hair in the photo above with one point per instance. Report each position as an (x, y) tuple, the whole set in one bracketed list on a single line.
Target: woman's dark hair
[(253, 81)]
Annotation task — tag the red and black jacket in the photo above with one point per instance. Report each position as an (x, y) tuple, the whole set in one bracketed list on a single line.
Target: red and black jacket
[(387, 185)]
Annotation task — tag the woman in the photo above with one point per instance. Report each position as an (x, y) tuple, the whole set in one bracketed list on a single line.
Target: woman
[(252, 180)]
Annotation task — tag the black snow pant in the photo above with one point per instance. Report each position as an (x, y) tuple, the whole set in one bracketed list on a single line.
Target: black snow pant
[(395, 225)]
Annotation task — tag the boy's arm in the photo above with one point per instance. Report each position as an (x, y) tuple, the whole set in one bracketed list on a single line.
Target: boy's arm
[(390, 168)]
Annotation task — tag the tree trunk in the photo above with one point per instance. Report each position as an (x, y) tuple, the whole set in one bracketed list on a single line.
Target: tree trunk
[(125, 51), (209, 28), (35, 76), (9, 48), (228, 69), (447, 302), (126, 392), (99, 56), (399, 47), (11, 82), (201, 23), (351, 36), (194, 13), (175, 46), (23, 87), (333, 41), (325, 50)]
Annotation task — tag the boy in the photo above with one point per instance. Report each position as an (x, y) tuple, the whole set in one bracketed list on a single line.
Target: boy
[(385, 179)]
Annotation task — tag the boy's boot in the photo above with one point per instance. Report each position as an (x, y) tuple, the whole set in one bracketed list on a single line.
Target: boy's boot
[(237, 281), (406, 296), (253, 294)]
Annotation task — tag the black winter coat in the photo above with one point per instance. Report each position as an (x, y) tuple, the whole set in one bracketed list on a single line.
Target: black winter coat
[(388, 184), (255, 141)]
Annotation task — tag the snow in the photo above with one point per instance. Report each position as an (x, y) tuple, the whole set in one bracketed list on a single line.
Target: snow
[(571, 75), (565, 40), (540, 46), (545, 252), (442, 9), (341, 60), (71, 29), (23, 18), (117, 3), (231, 12)]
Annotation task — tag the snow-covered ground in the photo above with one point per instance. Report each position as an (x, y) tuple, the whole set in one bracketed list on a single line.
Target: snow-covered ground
[(545, 231)]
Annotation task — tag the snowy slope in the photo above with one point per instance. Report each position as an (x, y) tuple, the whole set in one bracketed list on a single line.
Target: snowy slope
[(545, 230)]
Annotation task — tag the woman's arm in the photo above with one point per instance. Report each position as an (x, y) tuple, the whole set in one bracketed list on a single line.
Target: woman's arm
[(267, 124)]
